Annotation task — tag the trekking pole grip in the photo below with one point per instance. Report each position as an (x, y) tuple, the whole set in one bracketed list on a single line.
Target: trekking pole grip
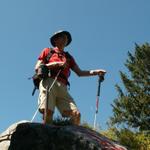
[(101, 78)]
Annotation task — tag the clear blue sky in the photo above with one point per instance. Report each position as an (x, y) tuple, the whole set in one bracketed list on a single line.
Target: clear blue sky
[(103, 31)]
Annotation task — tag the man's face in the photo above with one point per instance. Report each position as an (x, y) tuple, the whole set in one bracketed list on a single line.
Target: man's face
[(61, 40)]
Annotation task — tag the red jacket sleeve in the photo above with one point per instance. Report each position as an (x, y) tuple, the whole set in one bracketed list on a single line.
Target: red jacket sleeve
[(44, 54)]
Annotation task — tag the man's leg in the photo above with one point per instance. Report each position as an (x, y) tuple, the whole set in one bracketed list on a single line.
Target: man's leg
[(47, 116), (45, 97), (66, 105)]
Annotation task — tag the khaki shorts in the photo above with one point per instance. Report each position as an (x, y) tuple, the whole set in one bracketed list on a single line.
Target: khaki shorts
[(57, 97)]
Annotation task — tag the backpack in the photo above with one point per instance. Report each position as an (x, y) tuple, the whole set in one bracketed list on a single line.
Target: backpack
[(43, 71)]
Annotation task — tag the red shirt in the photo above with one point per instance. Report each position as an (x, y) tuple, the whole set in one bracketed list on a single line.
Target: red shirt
[(59, 56)]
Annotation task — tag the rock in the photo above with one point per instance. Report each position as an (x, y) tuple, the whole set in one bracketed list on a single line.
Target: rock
[(36, 136), (5, 137)]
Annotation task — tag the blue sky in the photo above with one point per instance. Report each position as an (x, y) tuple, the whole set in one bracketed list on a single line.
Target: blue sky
[(103, 31)]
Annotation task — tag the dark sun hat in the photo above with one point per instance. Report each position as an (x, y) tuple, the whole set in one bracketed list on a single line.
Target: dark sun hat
[(59, 33)]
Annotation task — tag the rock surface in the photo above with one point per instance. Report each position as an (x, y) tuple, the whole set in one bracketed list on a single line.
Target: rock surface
[(35, 136)]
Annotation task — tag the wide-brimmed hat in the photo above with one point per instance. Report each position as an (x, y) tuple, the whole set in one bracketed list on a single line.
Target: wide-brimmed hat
[(57, 34)]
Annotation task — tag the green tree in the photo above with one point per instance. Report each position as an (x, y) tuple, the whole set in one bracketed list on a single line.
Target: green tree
[(132, 107)]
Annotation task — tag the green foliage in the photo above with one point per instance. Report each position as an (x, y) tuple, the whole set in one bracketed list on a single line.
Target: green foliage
[(87, 125), (110, 133), (132, 107), (131, 140), (134, 141)]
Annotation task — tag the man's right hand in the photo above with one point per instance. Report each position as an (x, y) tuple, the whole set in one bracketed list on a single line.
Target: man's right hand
[(42, 71)]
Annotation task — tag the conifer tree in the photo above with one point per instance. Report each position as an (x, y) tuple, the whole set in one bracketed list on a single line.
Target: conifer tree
[(132, 106)]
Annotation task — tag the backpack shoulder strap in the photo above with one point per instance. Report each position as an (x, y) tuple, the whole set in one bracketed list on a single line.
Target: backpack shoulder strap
[(49, 55), (68, 55)]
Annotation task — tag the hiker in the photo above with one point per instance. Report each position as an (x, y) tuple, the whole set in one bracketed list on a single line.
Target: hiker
[(59, 64)]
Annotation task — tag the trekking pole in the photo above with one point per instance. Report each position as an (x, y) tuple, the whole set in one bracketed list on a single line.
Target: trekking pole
[(100, 80)]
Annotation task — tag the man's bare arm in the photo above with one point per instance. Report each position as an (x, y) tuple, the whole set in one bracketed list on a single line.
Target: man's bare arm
[(82, 73)]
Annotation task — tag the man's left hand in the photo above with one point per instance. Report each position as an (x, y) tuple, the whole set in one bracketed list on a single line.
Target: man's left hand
[(99, 72)]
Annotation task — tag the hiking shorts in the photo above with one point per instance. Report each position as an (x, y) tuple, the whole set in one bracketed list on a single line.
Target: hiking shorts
[(58, 96)]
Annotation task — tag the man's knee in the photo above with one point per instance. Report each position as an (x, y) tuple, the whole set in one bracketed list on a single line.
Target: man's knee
[(74, 115)]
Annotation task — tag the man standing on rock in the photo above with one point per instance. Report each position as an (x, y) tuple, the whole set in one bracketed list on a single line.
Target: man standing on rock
[(59, 64)]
